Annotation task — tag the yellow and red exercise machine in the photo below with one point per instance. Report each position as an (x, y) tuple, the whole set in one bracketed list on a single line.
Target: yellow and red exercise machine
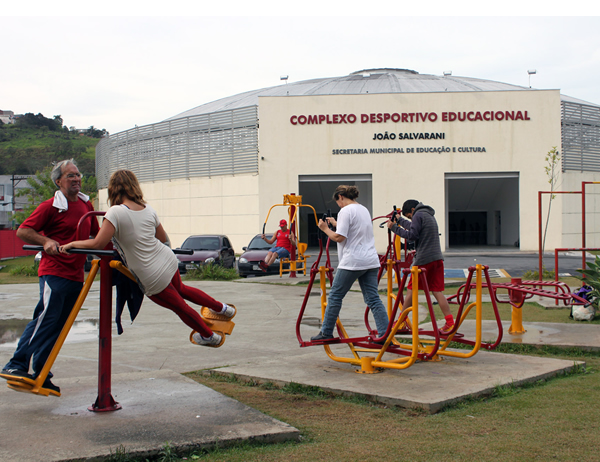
[(297, 261), (108, 261), (404, 342)]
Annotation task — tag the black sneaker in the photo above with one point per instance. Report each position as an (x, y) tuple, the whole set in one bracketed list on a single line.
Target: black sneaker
[(50, 386), (321, 336), (9, 372)]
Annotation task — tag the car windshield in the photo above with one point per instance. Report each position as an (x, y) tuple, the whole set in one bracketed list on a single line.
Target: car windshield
[(258, 244), (201, 243)]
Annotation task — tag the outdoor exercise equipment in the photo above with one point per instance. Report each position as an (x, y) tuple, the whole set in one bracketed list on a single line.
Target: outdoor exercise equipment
[(404, 338), (431, 343), (405, 341), (583, 247), (36, 385), (104, 401), (216, 322), (296, 262), (367, 350), (518, 292)]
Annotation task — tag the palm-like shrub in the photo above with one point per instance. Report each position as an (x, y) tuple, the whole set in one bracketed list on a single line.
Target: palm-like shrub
[(591, 277)]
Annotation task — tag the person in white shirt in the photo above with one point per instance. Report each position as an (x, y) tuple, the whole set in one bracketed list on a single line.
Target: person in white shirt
[(139, 237), (358, 260)]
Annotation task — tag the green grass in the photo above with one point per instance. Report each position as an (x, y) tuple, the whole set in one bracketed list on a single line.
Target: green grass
[(211, 272), (18, 271), (21, 271), (554, 419)]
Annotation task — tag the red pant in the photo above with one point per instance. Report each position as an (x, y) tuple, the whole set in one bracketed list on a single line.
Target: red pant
[(434, 274), (173, 298)]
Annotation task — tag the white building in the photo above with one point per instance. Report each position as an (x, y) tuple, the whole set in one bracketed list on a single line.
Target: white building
[(7, 117), (472, 149), (10, 203)]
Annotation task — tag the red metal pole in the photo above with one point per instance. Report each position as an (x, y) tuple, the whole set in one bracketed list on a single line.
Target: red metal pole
[(540, 234), (105, 401), (583, 224), (556, 271)]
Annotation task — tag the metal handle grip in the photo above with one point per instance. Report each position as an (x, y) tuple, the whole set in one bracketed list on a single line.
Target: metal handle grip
[(109, 253)]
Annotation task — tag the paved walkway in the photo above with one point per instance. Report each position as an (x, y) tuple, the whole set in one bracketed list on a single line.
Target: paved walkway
[(160, 405)]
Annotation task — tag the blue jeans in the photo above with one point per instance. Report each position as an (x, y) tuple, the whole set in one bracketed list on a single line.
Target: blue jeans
[(282, 252), (57, 298), (368, 285)]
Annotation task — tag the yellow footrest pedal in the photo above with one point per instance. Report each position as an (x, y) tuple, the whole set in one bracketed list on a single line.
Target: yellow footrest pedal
[(27, 385)]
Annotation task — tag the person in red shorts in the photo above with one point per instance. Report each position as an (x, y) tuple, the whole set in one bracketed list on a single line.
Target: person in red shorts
[(53, 223), (422, 228), (282, 249)]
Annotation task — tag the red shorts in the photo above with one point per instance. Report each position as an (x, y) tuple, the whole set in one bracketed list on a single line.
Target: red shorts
[(434, 274)]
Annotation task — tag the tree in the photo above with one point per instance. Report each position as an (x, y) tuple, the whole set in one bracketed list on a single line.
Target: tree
[(30, 120), (96, 132), (552, 172), (41, 188)]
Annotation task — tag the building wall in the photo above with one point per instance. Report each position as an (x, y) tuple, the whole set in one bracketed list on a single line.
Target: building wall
[(238, 205), (571, 216), (218, 205), (288, 150)]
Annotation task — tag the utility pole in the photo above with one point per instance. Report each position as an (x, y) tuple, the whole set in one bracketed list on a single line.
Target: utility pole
[(15, 181)]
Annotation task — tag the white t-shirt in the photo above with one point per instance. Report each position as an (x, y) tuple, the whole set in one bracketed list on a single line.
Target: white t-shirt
[(357, 252), (152, 262)]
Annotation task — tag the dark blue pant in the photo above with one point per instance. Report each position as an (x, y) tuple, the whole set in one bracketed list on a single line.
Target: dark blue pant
[(57, 298), (342, 283)]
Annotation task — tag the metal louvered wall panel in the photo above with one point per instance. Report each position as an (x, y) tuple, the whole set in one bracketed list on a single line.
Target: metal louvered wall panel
[(205, 145), (580, 137)]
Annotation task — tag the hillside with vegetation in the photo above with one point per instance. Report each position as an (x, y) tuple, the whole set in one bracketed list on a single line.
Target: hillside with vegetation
[(34, 142)]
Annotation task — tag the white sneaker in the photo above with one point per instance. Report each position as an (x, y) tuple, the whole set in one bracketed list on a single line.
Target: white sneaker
[(228, 311), (213, 340)]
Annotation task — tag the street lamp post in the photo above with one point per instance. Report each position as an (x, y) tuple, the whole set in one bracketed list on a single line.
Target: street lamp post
[(531, 72)]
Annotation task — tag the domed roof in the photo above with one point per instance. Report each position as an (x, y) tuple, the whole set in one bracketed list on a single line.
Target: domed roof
[(360, 82)]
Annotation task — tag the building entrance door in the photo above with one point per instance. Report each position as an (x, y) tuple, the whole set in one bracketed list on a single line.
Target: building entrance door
[(474, 204)]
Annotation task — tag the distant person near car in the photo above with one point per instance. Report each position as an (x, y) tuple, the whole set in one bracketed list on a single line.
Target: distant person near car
[(282, 249), (422, 228), (138, 236), (53, 223)]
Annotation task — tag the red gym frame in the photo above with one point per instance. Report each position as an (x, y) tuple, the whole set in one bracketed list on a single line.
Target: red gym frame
[(583, 248), (434, 344), (105, 401)]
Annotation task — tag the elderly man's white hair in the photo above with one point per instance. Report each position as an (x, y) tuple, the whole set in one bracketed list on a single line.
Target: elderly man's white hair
[(57, 170)]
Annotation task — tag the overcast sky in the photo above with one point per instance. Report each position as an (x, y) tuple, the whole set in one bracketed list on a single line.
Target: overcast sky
[(115, 69)]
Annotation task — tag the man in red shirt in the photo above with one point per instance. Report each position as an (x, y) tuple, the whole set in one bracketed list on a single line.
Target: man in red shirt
[(53, 223), (282, 249)]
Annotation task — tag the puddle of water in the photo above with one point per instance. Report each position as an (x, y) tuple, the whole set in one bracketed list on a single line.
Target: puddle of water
[(11, 330)]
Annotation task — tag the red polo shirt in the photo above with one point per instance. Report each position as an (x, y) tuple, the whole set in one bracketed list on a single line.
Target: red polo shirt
[(62, 227)]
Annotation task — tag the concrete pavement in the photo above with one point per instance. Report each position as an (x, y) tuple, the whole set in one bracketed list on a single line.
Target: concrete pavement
[(160, 405)]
